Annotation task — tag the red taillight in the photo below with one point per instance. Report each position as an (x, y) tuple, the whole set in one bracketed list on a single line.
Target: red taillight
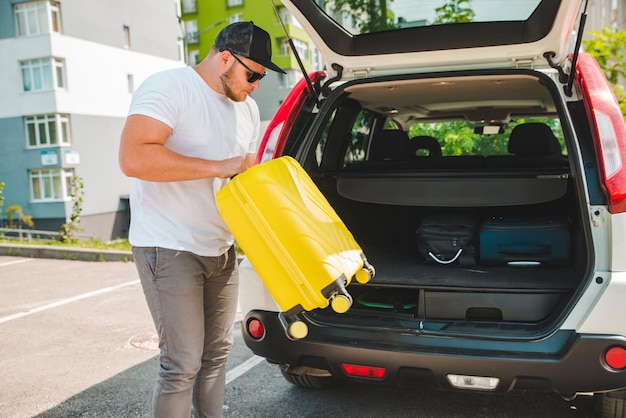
[(278, 129), (609, 129), (255, 328), (369, 372), (615, 358)]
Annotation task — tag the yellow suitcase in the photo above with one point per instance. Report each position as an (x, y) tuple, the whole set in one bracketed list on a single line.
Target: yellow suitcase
[(294, 239)]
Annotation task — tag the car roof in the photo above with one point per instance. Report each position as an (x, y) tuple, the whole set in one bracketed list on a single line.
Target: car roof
[(419, 36)]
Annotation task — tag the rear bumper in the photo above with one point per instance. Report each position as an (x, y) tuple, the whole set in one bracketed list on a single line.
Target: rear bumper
[(565, 362)]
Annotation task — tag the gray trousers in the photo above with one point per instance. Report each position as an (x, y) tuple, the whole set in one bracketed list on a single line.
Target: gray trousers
[(193, 302)]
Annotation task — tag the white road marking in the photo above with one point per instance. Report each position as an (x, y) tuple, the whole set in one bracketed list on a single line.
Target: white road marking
[(243, 368), (8, 263), (66, 301), (231, 375)]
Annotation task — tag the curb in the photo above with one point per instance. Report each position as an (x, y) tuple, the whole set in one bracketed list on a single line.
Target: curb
[(64, 253)]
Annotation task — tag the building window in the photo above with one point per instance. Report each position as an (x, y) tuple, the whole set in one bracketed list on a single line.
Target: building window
[(234, 3), (181, 49), (131, 83), (47, 130), (235, 17), (193, 57), (302, 48), (190, 6), (191, 29), (59, 73), (287, 81), (287, 18), (51, 184), (37, 17), (126, 36), (55, 17), (43, 74)]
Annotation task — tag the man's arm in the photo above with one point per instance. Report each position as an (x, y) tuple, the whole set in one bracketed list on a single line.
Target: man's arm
[(250, 160), (143, 155)]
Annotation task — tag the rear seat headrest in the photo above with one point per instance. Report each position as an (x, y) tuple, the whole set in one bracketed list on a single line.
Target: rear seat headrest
[(425, 142), (533, 139), (389, 145)]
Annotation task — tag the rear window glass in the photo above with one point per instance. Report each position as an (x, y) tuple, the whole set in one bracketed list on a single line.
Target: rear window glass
[(368, 18), (464, 138), (451, 138)]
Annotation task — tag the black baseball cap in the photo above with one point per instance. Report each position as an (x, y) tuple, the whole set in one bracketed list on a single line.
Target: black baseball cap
[(248, 40)]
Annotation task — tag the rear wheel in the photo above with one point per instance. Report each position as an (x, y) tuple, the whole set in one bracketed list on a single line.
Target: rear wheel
[(611, 404), (307, 377)]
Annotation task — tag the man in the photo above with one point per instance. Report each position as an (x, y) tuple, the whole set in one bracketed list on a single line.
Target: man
[(188, 131)]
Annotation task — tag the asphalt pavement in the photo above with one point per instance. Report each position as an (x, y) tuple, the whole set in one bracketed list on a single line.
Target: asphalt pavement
[(73, 333), (77, 340)]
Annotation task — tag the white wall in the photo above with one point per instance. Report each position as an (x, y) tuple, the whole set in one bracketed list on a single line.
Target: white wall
[(97, 76)]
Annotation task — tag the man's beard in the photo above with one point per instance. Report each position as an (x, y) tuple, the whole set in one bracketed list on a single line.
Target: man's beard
[(228, 92)]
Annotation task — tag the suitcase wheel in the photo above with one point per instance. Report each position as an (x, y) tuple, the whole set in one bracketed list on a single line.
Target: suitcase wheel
[(365, 274), (298, 330), (294, 328), (341, 303)]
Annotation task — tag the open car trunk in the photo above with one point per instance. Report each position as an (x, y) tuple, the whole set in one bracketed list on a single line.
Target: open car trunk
[(383, 201), (512, 300)]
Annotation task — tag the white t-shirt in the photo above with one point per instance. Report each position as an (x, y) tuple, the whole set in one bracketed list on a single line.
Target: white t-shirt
[(183, 215)]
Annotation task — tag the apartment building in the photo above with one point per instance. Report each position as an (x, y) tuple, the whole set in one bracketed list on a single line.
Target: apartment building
[(610, 13), (69, 68)]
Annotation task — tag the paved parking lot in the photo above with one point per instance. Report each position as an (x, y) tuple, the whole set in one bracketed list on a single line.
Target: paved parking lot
[(48, 353), (76, 340)]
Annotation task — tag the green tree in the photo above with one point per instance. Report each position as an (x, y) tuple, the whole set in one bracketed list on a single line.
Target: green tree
[(365, 15), (608, 47), (69, 229), (454, 11), (15, 215), (16, 218), (459, 138)]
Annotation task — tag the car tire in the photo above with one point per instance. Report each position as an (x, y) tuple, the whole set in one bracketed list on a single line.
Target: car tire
[(307, 380), (611, 404)]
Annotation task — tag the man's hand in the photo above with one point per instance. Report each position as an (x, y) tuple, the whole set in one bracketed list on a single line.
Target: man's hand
[(230, 167)]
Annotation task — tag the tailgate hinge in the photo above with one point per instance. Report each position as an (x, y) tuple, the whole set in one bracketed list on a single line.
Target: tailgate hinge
[(363, 73), (525, 63)]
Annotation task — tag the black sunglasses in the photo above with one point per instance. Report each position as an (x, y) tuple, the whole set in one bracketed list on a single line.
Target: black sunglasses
[(252, 75)]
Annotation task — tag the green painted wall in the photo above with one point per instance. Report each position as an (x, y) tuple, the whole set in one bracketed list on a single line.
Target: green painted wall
[(212, 16)]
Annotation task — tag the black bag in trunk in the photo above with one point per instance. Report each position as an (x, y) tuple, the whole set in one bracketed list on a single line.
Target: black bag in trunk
[(448, 238)]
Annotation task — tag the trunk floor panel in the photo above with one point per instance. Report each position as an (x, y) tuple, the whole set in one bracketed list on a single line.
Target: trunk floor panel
[(407, 295)]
